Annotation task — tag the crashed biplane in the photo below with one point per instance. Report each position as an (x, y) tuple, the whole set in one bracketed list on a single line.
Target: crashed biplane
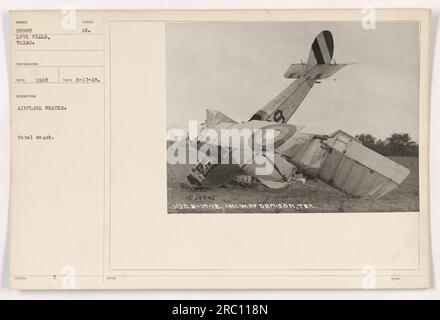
[(337, 159)]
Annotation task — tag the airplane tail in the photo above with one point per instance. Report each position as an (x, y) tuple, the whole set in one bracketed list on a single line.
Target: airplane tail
[(319, 66)]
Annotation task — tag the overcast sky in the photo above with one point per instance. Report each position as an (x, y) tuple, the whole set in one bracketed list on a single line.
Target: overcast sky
[(237, 68)]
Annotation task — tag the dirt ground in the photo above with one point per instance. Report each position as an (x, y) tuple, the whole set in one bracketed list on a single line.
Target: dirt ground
[(311, 197)]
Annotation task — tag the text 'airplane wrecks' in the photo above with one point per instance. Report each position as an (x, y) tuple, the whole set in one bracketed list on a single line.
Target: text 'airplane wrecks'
[(338, 159)]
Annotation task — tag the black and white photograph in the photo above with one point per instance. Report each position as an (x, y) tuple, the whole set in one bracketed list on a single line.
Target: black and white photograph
[(292, 117), (220, 151)]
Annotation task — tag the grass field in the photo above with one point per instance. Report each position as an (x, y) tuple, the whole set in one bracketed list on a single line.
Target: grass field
[(311, 197)]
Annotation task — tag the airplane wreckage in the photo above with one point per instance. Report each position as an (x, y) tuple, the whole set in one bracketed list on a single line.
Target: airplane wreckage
[(338, 159)]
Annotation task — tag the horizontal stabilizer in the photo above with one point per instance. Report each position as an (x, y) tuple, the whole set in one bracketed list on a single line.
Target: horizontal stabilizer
[(295, 71), (214, 117), (317, 72)]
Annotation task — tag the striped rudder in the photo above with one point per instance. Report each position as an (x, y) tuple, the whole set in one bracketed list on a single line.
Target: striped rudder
[(321, 51)]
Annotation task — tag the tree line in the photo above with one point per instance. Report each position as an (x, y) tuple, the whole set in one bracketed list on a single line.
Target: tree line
[(398, 144)]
